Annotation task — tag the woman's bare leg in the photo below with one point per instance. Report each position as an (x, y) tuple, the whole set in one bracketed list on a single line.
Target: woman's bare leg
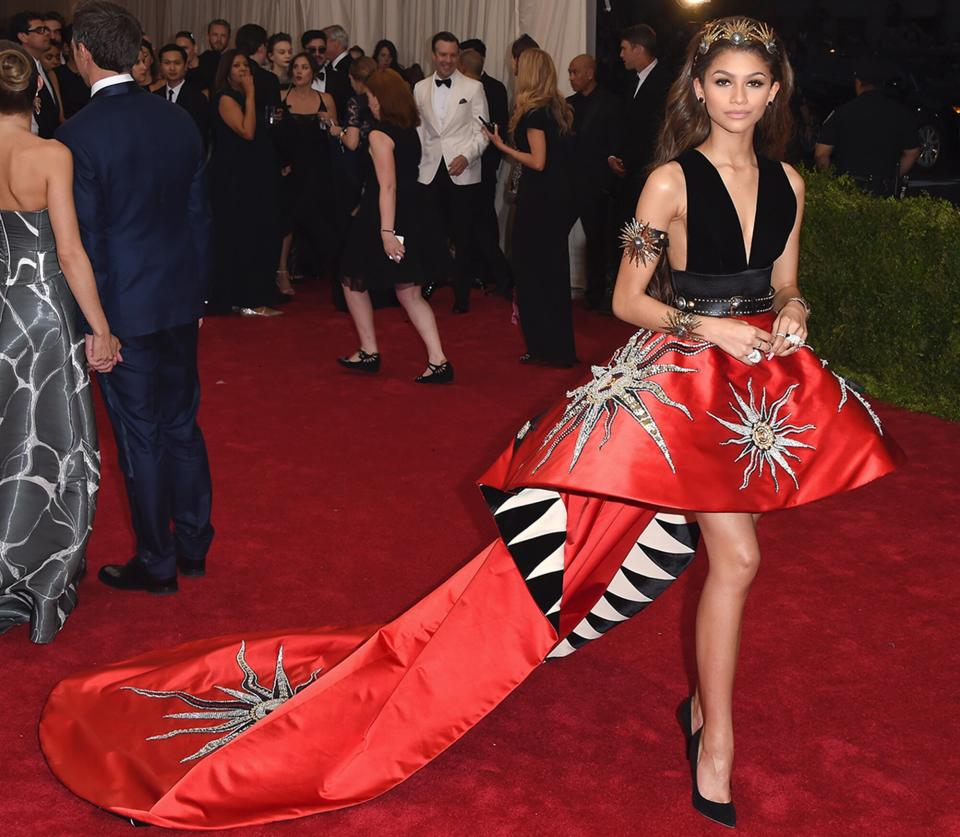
[(734, 555), (283, 273), (421, 315), (361, 310)]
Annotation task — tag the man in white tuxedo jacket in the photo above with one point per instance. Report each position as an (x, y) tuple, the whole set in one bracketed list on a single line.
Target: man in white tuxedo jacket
[(451, 136)]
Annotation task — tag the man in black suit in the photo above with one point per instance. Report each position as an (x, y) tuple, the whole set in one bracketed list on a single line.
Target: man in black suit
[(141, 203), (338, 66), (218, 37), (29, 30), (641, 111), (495, 265), (641, 116), (595, 115), (252, 42), (180, 91)]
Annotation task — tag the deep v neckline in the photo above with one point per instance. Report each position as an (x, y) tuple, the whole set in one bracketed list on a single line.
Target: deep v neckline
[(747, 253)]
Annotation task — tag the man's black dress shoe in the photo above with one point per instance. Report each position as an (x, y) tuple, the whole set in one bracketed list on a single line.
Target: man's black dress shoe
[(132, 576), (191, 566)]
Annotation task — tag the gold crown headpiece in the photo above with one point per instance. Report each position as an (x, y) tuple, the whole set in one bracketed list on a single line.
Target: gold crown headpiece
[(738, 31)]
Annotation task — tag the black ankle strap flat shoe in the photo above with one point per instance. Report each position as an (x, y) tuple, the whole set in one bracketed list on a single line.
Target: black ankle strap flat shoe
[(365, 363), (440, 373)]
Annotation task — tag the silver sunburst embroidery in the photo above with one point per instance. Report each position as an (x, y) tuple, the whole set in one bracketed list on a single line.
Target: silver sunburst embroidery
[(617, 387), (764, 435), (250, 705), (845, 390)]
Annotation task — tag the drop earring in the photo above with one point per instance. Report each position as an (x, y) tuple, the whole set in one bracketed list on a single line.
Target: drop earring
[(36, 104)]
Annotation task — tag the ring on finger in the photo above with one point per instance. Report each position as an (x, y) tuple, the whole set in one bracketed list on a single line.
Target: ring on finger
[(754, 356), (794, 340)]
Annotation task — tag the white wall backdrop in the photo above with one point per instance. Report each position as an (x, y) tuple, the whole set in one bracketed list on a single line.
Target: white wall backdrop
[(560, 26)]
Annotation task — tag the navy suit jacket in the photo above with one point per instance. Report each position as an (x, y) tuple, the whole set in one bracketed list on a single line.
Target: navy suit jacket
[(141, 199)]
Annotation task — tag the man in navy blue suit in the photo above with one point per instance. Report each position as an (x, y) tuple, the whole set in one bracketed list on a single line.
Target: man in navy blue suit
[(141, 202)]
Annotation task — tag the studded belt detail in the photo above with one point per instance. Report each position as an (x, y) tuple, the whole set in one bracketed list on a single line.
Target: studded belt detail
[(733, 306)]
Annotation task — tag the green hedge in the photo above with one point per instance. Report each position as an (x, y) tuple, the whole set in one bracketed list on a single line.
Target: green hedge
[(883, 277)]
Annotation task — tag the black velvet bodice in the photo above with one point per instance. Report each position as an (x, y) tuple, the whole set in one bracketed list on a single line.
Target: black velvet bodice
[(714, 237)]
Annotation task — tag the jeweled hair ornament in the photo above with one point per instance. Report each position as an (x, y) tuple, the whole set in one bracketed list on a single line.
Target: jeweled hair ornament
[(738, 31)]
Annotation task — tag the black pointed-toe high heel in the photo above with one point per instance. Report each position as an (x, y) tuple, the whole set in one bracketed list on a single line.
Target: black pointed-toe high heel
[(720, 812), (369, 363), (440, 373)]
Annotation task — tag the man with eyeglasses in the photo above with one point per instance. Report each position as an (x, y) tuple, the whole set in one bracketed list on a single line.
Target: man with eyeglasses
[(218, 36), (29, 30), (314, 41)]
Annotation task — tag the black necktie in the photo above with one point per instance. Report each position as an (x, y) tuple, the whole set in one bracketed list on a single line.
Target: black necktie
[(169, 94), (442, 82), (321, 75)]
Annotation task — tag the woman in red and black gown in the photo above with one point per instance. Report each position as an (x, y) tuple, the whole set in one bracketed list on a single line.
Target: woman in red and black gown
[(714, 412)]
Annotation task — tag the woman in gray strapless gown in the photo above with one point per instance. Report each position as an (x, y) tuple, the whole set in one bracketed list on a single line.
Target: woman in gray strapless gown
[(49, 461)]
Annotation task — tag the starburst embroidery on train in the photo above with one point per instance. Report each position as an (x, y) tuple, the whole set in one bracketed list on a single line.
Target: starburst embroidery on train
[(251, 703), (765, 436), (617, 388)]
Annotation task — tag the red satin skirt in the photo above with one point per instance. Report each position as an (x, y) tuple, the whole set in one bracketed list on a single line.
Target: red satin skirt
[(592, 503)]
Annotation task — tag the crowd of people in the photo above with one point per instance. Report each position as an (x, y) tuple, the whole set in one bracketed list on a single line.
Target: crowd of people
[(286, 121)]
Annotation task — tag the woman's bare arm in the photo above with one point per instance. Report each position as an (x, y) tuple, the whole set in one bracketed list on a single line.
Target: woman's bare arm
[(242, 121)]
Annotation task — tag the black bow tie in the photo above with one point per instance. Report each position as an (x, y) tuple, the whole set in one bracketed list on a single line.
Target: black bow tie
[(442, 82), (321, 75)]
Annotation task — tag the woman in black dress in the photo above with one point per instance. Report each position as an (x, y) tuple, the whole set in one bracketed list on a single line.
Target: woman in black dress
[(304, 137), (386, 244), (280, 56), (385, 54), (540, 258), (243, 190)]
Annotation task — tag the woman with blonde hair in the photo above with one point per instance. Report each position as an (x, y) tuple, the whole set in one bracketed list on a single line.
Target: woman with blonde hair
[(540, 258)]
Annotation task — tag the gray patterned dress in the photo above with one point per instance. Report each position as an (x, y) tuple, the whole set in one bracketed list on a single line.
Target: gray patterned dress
[(49, 460)]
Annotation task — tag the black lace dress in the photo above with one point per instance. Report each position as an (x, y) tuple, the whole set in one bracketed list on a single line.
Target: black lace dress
[(365, 265), (305, 146)]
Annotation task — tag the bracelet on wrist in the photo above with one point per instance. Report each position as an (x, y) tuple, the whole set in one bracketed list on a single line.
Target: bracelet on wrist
[(394, 232), (801, 300)]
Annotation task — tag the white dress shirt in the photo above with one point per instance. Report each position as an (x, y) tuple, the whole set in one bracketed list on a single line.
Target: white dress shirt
[(109, 81), (173, 93), (642, 76), (441, 98)]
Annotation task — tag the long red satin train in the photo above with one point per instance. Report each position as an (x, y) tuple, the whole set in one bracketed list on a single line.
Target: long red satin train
[(254, 728)]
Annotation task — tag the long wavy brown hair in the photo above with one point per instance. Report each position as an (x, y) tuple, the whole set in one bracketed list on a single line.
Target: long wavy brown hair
[(687, 124), (537, 88)]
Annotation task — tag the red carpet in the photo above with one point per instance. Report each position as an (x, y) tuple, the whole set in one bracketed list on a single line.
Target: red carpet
[(342, 499)]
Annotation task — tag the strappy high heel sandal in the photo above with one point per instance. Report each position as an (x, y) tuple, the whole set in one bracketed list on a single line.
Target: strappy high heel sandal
[(365, 362), (440, 373)]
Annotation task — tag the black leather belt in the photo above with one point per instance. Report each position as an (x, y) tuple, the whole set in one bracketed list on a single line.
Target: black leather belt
[(727, 295)]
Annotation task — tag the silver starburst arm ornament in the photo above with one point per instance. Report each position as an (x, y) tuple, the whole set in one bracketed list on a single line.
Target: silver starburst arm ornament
[(681, 324), (642, 242)]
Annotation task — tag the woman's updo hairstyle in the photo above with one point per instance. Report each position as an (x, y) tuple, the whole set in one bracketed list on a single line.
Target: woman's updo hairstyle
[(18, 79)]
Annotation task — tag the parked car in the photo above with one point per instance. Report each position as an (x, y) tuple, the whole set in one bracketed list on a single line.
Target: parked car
[(929, 90)]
